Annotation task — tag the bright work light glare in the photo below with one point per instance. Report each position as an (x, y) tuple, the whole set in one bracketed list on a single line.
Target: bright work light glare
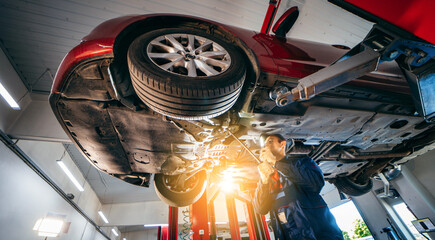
[(5, 94), (70, 175), (227, 186), (103, 217)]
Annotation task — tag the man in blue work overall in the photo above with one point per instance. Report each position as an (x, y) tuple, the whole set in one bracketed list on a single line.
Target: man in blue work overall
[(290, 190)]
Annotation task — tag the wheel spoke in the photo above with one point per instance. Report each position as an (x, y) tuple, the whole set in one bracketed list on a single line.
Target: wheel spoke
[(204, 46), (215, 62), (209, 71), (191, 42), (191, 69), (169, 56), (216, 54), (163, 46), (171, 64), (174, 42)]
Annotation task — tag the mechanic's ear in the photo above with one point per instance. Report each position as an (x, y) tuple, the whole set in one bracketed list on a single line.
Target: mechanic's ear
[(283, 144)]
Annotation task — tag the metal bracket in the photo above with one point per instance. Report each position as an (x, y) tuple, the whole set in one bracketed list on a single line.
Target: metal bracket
[(386, 192)]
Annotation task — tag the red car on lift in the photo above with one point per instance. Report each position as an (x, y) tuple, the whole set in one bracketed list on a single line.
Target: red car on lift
[(162, 95)]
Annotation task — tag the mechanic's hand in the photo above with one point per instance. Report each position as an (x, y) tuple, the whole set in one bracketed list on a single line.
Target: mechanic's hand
[(265, 170), (267, 156)]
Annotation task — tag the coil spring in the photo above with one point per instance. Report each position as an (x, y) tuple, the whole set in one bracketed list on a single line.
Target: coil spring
[(186, 232)]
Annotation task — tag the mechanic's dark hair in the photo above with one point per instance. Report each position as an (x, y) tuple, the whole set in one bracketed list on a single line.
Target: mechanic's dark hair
[(290, 143), (279, 136)]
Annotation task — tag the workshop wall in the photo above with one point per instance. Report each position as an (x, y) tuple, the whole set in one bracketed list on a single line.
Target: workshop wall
[(38, 122), (139, 213), (13, 84), (45, 154), (26, 197), (149, 234), (415, 186), (373, 214)]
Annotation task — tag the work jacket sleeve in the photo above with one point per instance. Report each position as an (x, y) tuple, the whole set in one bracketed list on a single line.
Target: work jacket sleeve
[(305, 173), (263, 198)]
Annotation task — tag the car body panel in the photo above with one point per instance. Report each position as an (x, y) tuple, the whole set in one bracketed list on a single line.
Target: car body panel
[(414, 16), (85, 50)]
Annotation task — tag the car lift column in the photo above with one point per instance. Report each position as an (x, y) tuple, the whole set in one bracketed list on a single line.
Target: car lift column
[(200, 219), (212, 220), (162, 233), (232, 217), (173, 223), (255, 224), (203, 217), (265, 228)]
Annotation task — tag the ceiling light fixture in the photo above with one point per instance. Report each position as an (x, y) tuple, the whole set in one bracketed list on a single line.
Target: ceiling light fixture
[(114, 232), (51, 225), (103, 217), (70, 175), (155, 225), (5, 94)]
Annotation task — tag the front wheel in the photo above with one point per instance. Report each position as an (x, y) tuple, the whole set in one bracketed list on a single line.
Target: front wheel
[(180, 190), (186, 73)]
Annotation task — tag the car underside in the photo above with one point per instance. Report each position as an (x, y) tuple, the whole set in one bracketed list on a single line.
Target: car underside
[(349, 131), (131, 123)]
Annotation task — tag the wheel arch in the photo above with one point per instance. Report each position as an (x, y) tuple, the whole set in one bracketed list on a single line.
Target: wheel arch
[(132, 31)]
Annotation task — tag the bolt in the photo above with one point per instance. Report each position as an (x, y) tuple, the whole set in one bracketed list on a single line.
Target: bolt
[(393, 54), (422, 60), (283, 102), (189, 56), (408, 51), (422, 54)]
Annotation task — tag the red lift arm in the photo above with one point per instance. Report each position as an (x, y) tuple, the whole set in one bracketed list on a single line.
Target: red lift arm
[(270, 16)]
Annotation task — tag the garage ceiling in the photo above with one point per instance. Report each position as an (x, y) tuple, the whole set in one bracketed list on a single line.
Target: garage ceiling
[(37, 34)]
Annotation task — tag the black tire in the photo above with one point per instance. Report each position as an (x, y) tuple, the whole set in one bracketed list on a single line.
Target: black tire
[(347, 186), (180, 198), (180, 96)]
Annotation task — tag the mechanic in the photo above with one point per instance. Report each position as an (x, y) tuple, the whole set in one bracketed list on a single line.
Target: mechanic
[(290, 190)]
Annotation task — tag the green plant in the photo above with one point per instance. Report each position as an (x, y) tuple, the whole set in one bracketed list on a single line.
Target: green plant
[(346, 235), (360, 229)]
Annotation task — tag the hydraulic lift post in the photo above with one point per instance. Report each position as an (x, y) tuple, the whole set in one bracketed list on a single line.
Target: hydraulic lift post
[(163, 233), (232, 216), (254, 222), (173, 223), (212, 220), (204, 221), (200, 219)]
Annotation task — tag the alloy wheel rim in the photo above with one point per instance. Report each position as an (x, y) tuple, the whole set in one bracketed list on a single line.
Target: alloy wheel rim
[(188, 55)]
